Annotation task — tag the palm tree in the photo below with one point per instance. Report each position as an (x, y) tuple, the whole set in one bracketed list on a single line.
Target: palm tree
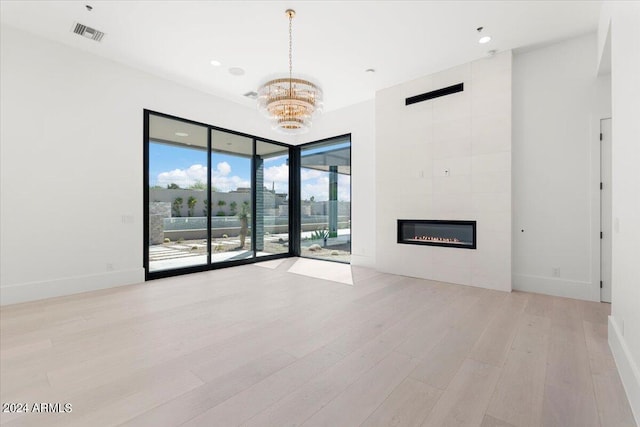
[(176, 206), (191, 204)]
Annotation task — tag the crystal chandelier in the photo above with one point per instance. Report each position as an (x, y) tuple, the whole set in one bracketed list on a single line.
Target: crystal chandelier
[(290, 102)]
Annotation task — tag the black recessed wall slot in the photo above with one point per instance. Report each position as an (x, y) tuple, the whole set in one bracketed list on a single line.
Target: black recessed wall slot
[(435, 94)]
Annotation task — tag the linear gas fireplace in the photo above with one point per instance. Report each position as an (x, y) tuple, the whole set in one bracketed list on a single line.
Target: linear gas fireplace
[(453, 234)]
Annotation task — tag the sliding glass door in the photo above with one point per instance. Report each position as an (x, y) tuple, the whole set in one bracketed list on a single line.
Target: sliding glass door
[(177, 183), (272, 199), (212, 197), (325, 199), (231, 196), (215, 198)]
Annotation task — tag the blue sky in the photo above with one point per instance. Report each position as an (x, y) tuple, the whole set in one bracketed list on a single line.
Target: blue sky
[(165, 158), (185, 166)]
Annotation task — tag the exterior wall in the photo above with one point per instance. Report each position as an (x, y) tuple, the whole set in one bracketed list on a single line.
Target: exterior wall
[(158, 211), (166, 195)]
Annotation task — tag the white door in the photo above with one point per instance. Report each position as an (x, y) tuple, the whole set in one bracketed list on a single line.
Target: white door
[(605, 210)]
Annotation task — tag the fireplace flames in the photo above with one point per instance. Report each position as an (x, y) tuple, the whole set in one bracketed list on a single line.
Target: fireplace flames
[(437, 239)]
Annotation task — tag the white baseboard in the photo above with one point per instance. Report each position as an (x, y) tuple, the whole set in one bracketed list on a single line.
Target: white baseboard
[(627, 367), (33, 291), (556, 287)]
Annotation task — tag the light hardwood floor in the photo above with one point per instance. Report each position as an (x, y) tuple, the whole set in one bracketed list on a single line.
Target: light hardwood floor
[(265, 347)]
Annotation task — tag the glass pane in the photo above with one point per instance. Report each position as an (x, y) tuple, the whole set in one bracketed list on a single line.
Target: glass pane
[(272, 203), (177, 194), (230, 196), (325, 187)]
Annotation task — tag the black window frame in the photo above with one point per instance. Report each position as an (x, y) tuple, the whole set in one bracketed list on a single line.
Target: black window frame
[(294, 191), (298, 179)]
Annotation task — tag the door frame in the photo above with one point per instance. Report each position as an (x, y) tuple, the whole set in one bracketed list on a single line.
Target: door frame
[(606, 230)]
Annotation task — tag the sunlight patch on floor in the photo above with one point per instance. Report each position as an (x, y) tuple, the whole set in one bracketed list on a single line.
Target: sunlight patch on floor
[(273, 264), (327, 270)]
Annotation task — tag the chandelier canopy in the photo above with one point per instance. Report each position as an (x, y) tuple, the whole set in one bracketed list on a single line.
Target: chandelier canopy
[(290, 102)]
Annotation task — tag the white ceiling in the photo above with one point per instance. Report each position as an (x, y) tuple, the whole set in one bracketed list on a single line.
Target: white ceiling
[(334, 41)]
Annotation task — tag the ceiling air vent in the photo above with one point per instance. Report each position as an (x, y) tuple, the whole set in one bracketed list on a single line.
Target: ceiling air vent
[(88, 32), (251, 94)]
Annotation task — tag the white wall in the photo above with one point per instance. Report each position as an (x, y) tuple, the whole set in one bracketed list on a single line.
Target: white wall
[(71, 164), (359, 121), (624, 323), (468, 133), (557, 105)]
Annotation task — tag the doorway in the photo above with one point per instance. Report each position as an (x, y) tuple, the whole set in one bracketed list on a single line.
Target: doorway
[(605, 210), (325, 199)]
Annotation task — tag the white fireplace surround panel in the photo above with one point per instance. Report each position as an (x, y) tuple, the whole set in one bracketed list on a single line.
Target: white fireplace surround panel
[(448, 158)]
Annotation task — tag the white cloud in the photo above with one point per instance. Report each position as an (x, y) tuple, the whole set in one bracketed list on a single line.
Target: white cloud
[(306, 174), (224, 183), (183, 177), (223, 168), (278, 176), (319, 188), (220, 178), (314, 183)]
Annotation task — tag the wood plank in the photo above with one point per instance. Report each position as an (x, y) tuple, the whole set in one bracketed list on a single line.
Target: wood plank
[(539, 305), (444, 317), (408, 405), (116, 402), (494, 343), (569, 398), (611, 399), (366, 351), (360, 399), (566, 407), (296, 407), (518, 396), (208, 395), (490, 421), (594, 312), (441, 363), (465, 401), (613, 406)]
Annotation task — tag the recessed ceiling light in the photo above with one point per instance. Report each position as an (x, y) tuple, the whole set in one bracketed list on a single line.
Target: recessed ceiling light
[(181, 134), (236, 71), (370, 70), (484, 39), (216, 63)]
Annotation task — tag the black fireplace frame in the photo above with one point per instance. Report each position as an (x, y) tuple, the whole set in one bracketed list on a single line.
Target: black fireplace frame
[(401, 222)]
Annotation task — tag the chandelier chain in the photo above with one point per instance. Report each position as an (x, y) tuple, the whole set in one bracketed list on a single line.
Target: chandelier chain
[(290, 50)]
